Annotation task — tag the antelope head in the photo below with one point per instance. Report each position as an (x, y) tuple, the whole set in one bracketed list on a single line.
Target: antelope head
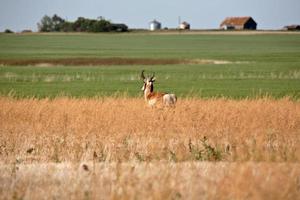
[(148, 82)]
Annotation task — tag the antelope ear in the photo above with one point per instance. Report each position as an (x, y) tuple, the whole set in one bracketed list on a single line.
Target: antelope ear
[(153, 79)]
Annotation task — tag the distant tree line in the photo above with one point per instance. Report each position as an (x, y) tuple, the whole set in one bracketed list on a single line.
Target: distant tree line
[(8, 31), (58, 24)]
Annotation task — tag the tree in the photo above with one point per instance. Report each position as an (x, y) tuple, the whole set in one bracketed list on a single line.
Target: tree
[(100, 26), (81, 24), (8, 31), (58, 23), (67, 27), (46, 24)]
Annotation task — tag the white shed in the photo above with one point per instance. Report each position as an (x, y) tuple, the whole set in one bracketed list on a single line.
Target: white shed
[(184, 26)]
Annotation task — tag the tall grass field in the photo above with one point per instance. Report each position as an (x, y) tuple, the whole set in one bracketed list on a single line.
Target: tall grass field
[(74, 123)]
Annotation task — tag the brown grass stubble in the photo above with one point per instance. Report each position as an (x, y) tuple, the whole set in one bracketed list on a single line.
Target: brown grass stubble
[(185, 180), (125, 129)]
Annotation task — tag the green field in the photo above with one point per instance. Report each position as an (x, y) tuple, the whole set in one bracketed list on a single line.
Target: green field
[(248, 65)]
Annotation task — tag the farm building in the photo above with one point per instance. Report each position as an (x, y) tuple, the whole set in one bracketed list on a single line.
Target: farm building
[(184, 26), (119, 27), (292, 28), (155, 25), (239, 23)]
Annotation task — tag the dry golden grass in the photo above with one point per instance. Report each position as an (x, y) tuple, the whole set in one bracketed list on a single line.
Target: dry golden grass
[(111, 148), (125, 129), (154, 180)]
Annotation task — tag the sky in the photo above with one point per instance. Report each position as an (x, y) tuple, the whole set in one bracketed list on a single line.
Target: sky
[(18, 15)]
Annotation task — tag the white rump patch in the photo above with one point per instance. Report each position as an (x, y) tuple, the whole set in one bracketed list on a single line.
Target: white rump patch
[(169, 99)]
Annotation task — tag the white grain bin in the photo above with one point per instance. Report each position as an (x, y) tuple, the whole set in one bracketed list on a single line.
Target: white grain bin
[(155, 25)]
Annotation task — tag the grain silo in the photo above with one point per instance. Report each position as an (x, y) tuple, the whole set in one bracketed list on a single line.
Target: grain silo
[(155, 25)]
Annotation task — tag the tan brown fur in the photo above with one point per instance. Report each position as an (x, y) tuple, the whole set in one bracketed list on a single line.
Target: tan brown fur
[(155, 95)]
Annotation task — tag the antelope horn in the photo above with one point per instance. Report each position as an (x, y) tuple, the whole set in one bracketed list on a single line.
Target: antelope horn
[(152, 76), (142, 75)]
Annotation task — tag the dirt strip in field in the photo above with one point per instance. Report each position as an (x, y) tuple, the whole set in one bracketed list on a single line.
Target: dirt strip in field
[(109, 61)]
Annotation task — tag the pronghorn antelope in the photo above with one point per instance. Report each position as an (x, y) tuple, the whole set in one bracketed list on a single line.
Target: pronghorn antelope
[(152, 97)]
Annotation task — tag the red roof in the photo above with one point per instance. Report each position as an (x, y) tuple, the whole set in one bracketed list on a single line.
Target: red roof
[(235, 21), (292, 26)]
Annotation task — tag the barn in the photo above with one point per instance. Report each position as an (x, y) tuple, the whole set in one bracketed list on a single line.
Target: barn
[(119, 27), (292, 28), (238, 23)]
